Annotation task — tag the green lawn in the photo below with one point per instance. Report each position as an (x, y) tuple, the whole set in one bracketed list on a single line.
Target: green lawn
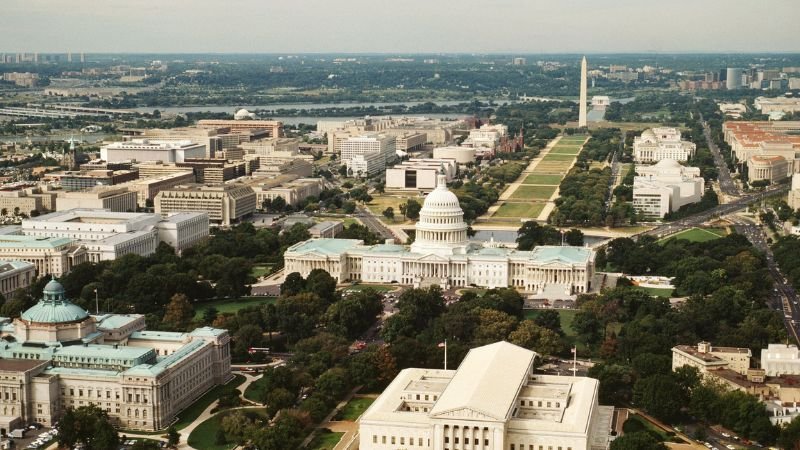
[(521, 210), (554, 180), (380, 202), (564, 150), (698, 234), (231, 305), (636, 423), (194, 410), (325, 440), (354, 408), (557, 157), (528, 192), (260, 270), (204, 437), (658, 292), (566, 319), (374, 287)]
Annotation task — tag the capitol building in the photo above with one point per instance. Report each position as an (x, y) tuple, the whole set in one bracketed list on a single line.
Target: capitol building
[(443, 255), (57, 356)]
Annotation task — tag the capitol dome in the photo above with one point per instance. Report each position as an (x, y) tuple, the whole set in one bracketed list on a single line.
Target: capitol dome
[(54, 307), (441, 228)]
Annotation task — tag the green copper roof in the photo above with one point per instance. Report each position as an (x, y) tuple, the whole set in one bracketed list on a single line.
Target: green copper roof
[(325, 246), (54, 307)]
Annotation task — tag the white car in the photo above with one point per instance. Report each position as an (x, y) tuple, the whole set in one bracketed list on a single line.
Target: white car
[(726, 435)]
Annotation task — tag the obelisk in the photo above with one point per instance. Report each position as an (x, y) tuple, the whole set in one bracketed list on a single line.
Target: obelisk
[(582, 99)]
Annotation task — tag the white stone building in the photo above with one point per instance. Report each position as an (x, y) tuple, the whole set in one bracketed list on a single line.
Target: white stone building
[(706, 358), (58, 356), (486, 138), (462, 155), (493, 401), (419, 174), (368, 154), (442, 254), (665, 187), (657, 144), (780, 359), (152, 150), (15, 275)]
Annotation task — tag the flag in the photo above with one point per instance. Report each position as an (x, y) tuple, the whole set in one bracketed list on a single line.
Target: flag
[(574, 350), (441, 344)]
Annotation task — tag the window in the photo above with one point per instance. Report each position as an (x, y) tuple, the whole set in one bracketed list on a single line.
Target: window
[(374, 438), (513, 447), (383, 439), (392, 440), (403, 441)]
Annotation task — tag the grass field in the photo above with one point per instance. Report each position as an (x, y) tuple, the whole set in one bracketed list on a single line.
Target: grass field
[(554, 180), (557, 157), (529, 192), (698, 234), (658, 292), (379, 204), (260, 270), (204, 437), (325, 440), (230, 305), (564, 150), (521, 210), (354, 408), (194, 410), (566, 319)]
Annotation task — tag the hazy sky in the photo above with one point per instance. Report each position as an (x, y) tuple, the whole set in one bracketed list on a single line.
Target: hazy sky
[(399, 26)]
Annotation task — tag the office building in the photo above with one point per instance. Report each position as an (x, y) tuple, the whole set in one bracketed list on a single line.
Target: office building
[(54, 256), (146, 189), (665, 187), (152, 150), (794, 194), (224, 204), (109, 235), (486, 139), (26, 201), (368, 154), (780, 359), (15, 275), (272, 128), (778, 104), (214, 171), (764, 138), (407, 141), (81, 180), (291, 189), (734, 79), (420, 174), (114, 198), (772, 169), (58, 356), (657, 144), (213, 139), (494, 400), (442, 255)]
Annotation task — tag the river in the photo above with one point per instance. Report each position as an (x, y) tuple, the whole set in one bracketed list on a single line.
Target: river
[(299, 106)]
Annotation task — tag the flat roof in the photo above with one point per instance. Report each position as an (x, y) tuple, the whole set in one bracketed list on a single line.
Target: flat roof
[(20, 365)]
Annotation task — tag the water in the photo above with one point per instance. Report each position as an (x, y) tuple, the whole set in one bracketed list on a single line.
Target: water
[(90, 138), (307, 106)]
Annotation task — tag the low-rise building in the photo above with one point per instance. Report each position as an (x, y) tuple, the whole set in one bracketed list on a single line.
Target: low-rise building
[(224, 204), (665, 187), (115, 198), (407, 141), (780, 359), (777, 104), (327, 229), (26, 201), (15, 275), (707, 358), (420, 174), (657, 144), (54, 256), (368, 154), (293, 191), (81, 180), (494, 400), (271, 127), (146, 189), (214, 171)]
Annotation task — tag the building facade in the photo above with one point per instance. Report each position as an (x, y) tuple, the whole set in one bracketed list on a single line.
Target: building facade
[(657, 144), (780, 359), (419, 174), (15, 275), (706, 358), (115, 199), (55, 256), (442, 255), (152, 150), (224, 204), (58, 356), (493, 401), (665, 187), (368, 154), (772, 169)]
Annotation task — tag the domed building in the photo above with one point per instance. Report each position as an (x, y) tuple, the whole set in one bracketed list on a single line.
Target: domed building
[(57, 355), (656, 144), (442, 254), (244, 114)]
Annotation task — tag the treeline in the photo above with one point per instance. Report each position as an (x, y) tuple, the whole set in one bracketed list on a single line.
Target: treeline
[(725, 281), (648, 107), (484, 187)]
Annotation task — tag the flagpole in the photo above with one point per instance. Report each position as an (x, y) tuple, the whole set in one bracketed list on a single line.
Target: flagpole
[(574, 360)]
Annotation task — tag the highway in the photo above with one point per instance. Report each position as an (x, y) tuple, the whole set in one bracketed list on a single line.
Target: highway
[(720, 210), (726, 183), (784, 297)]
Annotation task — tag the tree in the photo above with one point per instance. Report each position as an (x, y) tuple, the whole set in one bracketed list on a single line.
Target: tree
[(354, 314), (278, 204), (532, 336), (550, 319), (388, 213), (322, 284), (179, 312), (574, 237), (173, 437), (660, 395), (278, 399), (247, 336), (293, 284), (789, 438), (412, 209), (209, 314), (640, 440), (349, 207), (493, 326), (89, 425), (532, 234)]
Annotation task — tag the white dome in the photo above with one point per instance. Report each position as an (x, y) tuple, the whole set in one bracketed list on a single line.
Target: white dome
[(441, 228), (441, 200), (668, 164), (243, 114)]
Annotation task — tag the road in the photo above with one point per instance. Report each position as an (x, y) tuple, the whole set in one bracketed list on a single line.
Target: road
[(373, 223), (720, 210), (784, 298), (726, 183), (615, 168)]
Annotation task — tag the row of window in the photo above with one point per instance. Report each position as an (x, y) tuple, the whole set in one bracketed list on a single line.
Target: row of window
[(533, 447), (393, 440)]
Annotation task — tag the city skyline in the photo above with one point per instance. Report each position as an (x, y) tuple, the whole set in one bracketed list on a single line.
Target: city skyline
[(415, 27)]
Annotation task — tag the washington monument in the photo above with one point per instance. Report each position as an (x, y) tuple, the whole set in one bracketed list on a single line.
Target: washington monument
[(582, 99)]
